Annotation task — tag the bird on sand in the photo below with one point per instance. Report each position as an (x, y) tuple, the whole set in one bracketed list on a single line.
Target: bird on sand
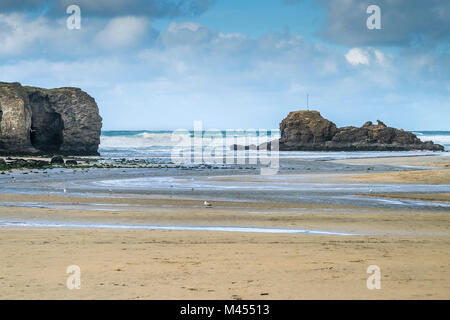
[(207, 204)]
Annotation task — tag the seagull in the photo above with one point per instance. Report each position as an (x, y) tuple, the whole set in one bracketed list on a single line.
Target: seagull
[(370, 191), (207, 204), (65, 190)]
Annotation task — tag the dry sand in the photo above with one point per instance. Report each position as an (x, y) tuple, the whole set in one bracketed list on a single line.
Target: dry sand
[(415, 177), (203, 265), (438, 175)]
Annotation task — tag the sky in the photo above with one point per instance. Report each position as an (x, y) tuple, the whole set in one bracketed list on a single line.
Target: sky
[(233, 64)]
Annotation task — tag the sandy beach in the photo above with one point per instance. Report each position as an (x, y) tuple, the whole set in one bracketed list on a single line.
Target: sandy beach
[(201, 265), (164, 244), (440, 173)]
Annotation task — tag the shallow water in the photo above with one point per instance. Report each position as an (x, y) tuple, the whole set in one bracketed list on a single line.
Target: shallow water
[(234, 187), (282, 188), (298, 181), (25, 224), (263, 183)]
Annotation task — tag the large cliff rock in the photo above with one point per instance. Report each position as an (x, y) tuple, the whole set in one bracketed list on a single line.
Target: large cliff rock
[(306, 128), (48, 121), (309, 131)]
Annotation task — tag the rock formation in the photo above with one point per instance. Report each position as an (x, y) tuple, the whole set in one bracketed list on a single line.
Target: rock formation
[(62, 121), (309, 131)]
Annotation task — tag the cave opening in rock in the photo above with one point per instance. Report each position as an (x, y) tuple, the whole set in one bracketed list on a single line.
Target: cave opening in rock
[(46, 125), (47, 131)]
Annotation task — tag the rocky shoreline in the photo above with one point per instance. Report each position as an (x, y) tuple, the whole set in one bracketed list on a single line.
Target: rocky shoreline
[(23, 163), (9, 163)]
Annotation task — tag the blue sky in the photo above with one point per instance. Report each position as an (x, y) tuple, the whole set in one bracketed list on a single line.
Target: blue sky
[(256, 18), (154, 64)]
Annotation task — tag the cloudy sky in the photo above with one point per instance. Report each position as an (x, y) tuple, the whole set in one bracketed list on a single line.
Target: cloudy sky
[(154, 64)]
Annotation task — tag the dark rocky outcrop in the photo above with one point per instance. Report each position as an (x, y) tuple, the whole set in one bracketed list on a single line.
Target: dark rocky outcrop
[(71, 162), (23, 164), (309, 131), (57, 160), (305, 128), (62, 121)]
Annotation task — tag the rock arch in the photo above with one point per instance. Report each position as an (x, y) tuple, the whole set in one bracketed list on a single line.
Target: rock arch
[(62, 121)]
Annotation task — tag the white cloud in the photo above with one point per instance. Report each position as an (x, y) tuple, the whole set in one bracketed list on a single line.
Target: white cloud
[(366, 56), (17, 33), (123, 32), (357, 56), (380, 57), (185, 34), (22, 36), (177, 27), (239, 36)]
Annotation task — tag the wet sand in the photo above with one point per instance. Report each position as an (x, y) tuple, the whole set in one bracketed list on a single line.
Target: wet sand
[(173, 212), (428, 197), (426, 161)]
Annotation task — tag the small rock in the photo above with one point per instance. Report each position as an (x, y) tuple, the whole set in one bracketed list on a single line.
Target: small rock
[(19, 163), (71, 162), (57, 160), (38, 164)]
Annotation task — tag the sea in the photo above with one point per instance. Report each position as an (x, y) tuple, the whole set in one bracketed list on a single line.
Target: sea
[(160, 146)]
